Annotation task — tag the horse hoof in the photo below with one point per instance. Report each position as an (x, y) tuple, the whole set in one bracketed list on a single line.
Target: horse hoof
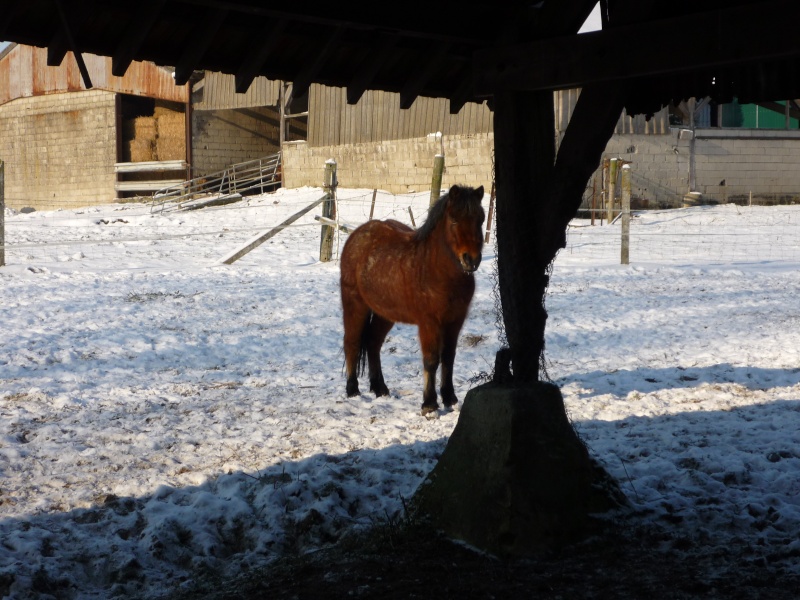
[(428, 409), (384, 391), (352, 390)]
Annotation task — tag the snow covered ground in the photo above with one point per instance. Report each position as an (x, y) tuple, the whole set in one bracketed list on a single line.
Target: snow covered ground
[(163, 415)]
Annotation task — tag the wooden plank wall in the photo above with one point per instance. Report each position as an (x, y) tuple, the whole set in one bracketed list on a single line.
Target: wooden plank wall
[(217, 91), (378, 118), (564, 103)]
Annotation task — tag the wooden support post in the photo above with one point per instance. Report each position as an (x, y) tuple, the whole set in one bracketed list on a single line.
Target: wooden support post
[(489, 216), (603, 189), (612, 189), (626, 215), (436, 182), (329, 212), (411, 214), (372, 208), (594, 197), (2, 215)]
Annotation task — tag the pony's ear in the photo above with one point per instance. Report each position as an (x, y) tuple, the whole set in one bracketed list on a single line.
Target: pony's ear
[(479, 192), (454, 193)]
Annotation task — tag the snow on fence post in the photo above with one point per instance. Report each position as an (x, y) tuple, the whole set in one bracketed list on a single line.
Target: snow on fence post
[(626, 215), (2, 215), (612, 189), (328, 211)]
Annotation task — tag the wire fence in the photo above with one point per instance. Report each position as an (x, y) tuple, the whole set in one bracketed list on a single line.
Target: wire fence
[(123, 236), (130, 235)]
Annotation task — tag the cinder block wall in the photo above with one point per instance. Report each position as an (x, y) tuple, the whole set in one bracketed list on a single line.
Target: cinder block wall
[(59, 150), (221, 138), (729, 164), (397, 166)]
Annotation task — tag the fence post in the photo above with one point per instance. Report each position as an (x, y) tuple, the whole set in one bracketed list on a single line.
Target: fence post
[(489, 216), (603, 189), (436, 183), (328, 211), (372, 206), (626, 215), (2, 214), (612, 189)]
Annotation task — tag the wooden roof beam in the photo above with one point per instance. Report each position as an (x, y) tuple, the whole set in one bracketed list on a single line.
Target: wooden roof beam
[(414, 86), (201, 40), (365, 74), (683, 44), (310, 71), (57, 49), (134, 37), (87, 81), (263, 44)]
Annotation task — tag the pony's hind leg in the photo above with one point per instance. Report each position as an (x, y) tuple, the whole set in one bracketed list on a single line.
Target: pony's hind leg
[(356, 320), (377, 331)]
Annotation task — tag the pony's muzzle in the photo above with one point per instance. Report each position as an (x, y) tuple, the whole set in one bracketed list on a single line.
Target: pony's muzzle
[(469, 263)]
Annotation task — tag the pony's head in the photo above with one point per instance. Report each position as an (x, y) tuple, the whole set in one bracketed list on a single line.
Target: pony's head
[(463, 221)]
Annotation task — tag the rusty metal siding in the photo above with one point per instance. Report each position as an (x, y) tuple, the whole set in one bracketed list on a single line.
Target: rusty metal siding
[(24, 73), (378, 117), (217, 91)]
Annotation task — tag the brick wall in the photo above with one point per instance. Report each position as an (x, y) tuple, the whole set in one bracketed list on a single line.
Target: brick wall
[(764, 162), (59, 150), (221, 138), (398, 166)]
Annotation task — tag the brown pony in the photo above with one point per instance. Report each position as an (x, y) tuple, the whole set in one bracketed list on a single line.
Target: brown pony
[(391, 273)]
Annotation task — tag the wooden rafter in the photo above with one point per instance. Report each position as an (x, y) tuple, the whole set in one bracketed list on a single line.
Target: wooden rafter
[(134, 37), (311, 70), (414, 85), (263, 43), (678, 45), (365, 74), (201, 40)]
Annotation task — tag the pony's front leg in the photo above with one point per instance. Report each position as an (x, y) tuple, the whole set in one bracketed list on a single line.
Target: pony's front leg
[(449, 343), (430, 342)]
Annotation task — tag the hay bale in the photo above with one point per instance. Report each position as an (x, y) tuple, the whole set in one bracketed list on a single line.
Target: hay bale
[(170, 148), (141, 150), (144, 128), (171, 125)]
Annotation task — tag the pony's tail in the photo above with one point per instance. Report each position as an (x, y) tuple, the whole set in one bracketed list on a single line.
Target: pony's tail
[(361, 363)]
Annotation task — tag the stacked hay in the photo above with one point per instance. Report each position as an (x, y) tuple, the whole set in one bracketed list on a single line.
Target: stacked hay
[(171, 140), (160, 137), (142, 133)]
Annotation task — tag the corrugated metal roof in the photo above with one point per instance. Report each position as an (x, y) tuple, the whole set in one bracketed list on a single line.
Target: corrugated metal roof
[(24, 73)]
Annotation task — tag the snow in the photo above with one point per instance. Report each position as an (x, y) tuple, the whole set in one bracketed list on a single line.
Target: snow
[(163, 415)]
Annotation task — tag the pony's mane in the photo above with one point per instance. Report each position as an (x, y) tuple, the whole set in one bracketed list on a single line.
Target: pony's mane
[(467, 205)]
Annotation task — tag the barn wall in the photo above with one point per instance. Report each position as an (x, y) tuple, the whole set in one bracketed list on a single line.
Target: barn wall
[(377, 117), (221, 138), (59, 150), (397, 166), (766, 163)]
